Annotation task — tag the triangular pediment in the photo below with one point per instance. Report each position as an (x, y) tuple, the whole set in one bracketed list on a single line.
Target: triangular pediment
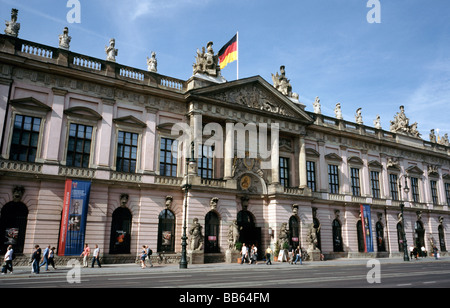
[(253, 94), (83, 112), (131, 121), (30, 103), (414, 170)]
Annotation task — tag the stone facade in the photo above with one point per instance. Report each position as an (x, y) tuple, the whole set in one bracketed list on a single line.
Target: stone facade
[(61, 89)]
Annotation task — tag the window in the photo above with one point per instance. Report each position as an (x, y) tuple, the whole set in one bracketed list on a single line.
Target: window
[(25, 138), (356, 189), (212, 232), (415, 189), (168, 161), (434, 192), (311, 175), (375, 183), (393, 184), (333, 179), (79, 146), (447, 192), (166, 231), (205, 162), (126, 152), (284, 171)]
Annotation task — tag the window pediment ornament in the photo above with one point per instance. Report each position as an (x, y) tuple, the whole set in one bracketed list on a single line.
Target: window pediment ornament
[(83, 112), (355, 160), (30, 103), (393, 163), (312, 153), (333, 156), (446, 176), (414, 170), (375, 164), (130, 121), (433, 171)]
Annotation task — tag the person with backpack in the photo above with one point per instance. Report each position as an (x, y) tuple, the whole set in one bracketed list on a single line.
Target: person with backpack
[(35, 259), (149, 253), (8, 260)]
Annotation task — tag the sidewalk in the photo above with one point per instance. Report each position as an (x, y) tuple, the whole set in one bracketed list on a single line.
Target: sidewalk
[(134, 268)]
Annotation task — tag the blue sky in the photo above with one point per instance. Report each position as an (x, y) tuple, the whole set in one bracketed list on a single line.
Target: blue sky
[(328, 47)]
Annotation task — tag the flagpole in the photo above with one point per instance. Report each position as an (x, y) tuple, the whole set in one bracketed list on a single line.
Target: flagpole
[(237, 39)]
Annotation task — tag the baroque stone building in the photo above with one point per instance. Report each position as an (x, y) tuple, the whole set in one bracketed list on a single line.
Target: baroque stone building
[(69, 116)]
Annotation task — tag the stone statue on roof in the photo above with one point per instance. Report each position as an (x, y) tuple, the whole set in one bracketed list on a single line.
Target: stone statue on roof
[(64, 39), (12, 26), (206, 62), (401, 125), (282, 84), (152, 63), (111, 51), (358, 116)]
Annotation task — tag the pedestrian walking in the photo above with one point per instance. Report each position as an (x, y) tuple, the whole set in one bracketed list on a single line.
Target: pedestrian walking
[(143, 256), (51, 257), (96, 256), (436, 253), (149, 253), (35, 259), (253, 254), (8, 260), (45, 258), (298, 255), (268, 256), (85, 254), (244, 253)]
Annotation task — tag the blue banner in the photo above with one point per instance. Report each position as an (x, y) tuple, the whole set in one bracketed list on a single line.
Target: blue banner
[(367, 227), (73, 226)]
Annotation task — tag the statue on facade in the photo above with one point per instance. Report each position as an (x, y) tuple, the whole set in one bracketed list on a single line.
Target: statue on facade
[(358, 116), (338, 111), (206, 62), (64, 39), (444, 140), (233, 235), (152, 63), (316, 106), (111, 51), (124, 200), (17, 193), (283, 237), (196, 236), (377, 122), (213, 203), (169, 200), (433, 136), (401, 125), (312, 238), (12, 26), (282, 84)]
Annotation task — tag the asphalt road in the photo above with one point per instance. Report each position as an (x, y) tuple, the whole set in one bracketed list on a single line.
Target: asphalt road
[(414, 274)]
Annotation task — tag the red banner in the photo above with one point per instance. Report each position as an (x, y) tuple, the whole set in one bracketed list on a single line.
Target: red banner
[(64, 220)]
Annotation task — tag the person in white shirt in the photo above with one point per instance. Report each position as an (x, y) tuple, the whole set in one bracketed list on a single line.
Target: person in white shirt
[(244, 253), (8, 261), (96, 256)]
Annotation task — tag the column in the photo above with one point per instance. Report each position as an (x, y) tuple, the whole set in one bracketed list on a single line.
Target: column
[(149, 141), (5, 86), (302, 163), (51, 149), (105, 134), (275, 160)]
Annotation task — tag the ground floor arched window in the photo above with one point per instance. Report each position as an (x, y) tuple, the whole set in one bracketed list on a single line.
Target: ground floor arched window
[(380, 237), (294, 232), (120, 241), (442, 238), (419, 236), (13, 226), (166, 231), (400, 237), (360, 231), (212, 227), (316, 223), (338, 246)]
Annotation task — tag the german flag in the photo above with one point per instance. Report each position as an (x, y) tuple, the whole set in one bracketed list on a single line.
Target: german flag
[(229, 52)]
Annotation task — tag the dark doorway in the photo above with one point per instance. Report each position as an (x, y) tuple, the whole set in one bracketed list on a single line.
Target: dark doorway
[(400, 237), (13, 226), (381, 247), (294, 232), (359, 228), (212, 225), (420, 237), (250, 234), (442, 238), (120, 231), (166, 231), (337, 236)]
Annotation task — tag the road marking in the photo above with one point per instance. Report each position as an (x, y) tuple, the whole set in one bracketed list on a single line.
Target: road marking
[(426, 282), (404, 284)]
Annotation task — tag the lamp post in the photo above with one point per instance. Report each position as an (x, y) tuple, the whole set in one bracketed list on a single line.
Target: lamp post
[(402, 205), (189, 162)]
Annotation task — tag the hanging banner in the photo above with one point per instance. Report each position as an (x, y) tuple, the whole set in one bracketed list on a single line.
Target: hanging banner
[(74, 215), (367, 227)]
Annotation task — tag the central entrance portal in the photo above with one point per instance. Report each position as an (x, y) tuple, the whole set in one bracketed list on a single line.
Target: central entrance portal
[(249, 233)]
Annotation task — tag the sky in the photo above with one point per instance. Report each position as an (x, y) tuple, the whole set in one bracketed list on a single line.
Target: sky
[(329, 47)]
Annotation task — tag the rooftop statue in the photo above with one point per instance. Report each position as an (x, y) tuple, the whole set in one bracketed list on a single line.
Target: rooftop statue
[(12, 27), (338, 111), (282, 84), (444, 140), (377, 122), (111, 51), (64, 39), (358, 116), (206, 62), (316, 105), (152, 63), (401, 125)]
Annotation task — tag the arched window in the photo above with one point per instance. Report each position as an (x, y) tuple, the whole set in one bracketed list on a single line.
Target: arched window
[(442, 238), (166, 231), (337, 236), (359, 229), (420, 236), (212, 226), (120, 231), (13, 226), (294, 234), (400, 236), (316, 223), (380, 237)]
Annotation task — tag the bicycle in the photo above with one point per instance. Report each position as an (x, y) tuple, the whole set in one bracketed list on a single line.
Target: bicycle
[(162, 257)]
